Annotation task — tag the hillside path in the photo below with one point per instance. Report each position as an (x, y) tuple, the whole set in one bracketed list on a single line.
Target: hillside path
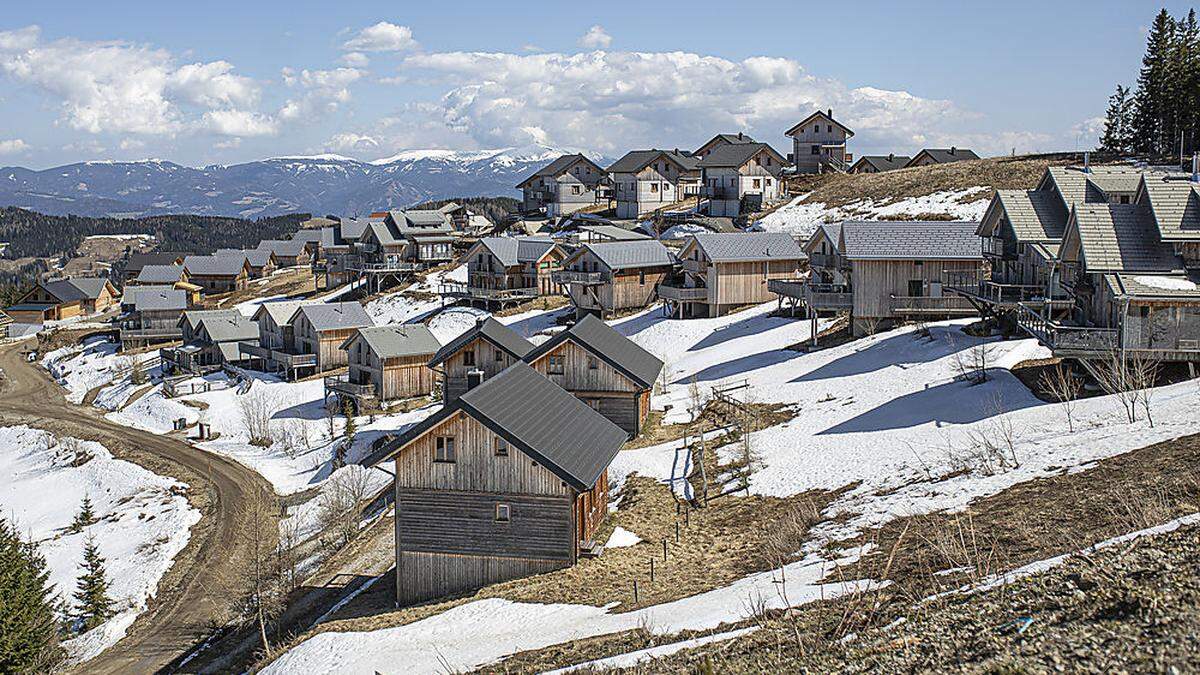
[(189, 595)]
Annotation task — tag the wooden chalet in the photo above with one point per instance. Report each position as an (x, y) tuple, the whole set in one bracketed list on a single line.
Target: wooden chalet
[(504, 270), (479, 354), (721, 140), (564, 186), (150, 314), (386, 363), (276, 349), (879, 163), (217, 273), (647, 180), (723, 271), (888, 271), (487, 491), (741, 178), (262, 261), (819, 144), (211, 339), (174, 276), (614, 276), (132, 265), (322, 328), (288, 252), (64, 299), (606, 370), (930, 156), (1132, 271)]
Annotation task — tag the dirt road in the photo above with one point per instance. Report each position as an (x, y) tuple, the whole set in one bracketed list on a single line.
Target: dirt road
[(189, 595)]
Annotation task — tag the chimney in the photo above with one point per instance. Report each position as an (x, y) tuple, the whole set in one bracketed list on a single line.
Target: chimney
[(1196, 168), (952, 149), (891, 156), (1087, 161), (739, 135), (829, 113)]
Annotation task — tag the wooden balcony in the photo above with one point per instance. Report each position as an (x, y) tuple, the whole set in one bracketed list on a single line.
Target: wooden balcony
[(292, 361), (1065, 339), (827, 260), (341, 384), (681, 294), (458, 289), (693, 266), (581, 278), (946, 305), (151, 333)]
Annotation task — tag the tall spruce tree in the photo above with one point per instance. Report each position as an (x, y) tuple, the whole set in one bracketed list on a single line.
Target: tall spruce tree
[(1154, 123), (29, 625), (86, 515), (1187, 76), (1118, 123), (92, 604)]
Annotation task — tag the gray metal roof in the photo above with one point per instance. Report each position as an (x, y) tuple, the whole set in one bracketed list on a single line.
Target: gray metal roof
[(155, 298), (910, 240), (139, 260), (736, 154), (193, 317), (229, 328), (1176, 207), (1174, 286), (350, 229), (620, 255), (281, 311), (491, 330), (387, 342), (76, 288), (947, 155), (1075, 185), (1122, 238), (636, 160), (312, 235), (748, 246), (284, 248), (885, 162), (538, 418), (160, 274), (730, 138), (336, 315), (511, 251), (259, 257), (559, 166), (214, 265), (610, 346), (1035, 215)]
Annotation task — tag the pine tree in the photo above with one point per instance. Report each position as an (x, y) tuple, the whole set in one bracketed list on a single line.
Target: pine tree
[(28, 620), (1187, 76), (93, 606), (1117, 122), (347, 436), (1154, 124), (86, 515)]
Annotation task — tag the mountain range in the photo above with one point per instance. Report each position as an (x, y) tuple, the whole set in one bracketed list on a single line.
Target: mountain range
[(321, 184)]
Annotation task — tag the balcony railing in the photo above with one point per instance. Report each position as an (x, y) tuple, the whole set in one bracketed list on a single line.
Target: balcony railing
[(1061, 337), (343, 385), (681, 294), (828, 260), (459, 289), (975, 284), (720, 192), (573, 277), (834, 297), (925, 304), (157, 333), (693, 266), (293, 360)]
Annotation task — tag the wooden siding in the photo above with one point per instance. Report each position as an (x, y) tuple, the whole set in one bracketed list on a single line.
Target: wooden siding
[(875, 281), (462, 522), (488, 357), (327, 345), (604, 388), (423, 576)]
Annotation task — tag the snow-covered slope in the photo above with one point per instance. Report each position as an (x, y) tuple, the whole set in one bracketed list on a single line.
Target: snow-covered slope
[(801, 217), (143, 520)]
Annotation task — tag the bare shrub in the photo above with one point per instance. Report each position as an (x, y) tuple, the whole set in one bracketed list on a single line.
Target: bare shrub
[(340, 504), (959, 545), (1129, 379), (696, 399), (990, 449), (288, 553), (1062, 384), (972, 364), (256, 409)]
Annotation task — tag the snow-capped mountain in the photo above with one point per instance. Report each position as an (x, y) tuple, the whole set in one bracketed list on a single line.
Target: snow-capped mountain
[(319, 184)]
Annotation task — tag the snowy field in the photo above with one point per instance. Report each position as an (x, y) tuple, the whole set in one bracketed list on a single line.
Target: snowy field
[(94, 363), (801, 219), (143, 520), (890, 412)]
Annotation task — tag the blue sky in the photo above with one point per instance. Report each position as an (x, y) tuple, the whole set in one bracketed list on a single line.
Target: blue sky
[(224, 82)]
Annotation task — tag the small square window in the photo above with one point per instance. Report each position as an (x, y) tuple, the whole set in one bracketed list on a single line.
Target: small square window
[(501, 447), (499, 356), (555, 366), (593, 363), (469, 357), (503, 513), (443, 449)]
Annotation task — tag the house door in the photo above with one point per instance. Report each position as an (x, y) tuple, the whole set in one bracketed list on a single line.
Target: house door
[(916, 288)]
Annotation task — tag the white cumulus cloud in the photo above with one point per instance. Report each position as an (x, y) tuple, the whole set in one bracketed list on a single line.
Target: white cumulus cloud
[(238, 123), (595, 38), (12, 146), (382, 37)]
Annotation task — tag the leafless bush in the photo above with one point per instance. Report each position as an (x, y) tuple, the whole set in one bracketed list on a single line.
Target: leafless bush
[(958, 545), (990, 449), (292, 436), (288, 554), (257, 583), (696, 399), (341, 500), (256, 409), (1138, 509), (1062, 384), (972, 364), (1129, 379)]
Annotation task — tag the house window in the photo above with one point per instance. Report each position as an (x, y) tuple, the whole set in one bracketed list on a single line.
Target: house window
[(768, 160), (503, 513), (593, 403), (816, 149), (499, 356), (916, 288), (501, 447), (757, 184), (1124, 199), (653, 188), (555, 366), (574, 189), (593, 363), (469, 357), (641, 277), (443, 449), (829, 128), (768, 182)]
